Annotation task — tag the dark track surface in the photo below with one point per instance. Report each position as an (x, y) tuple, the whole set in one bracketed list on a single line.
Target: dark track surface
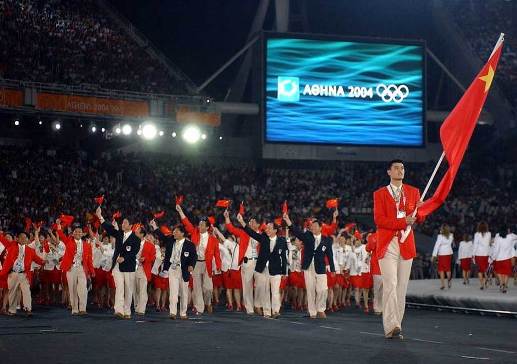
[(53, 336)]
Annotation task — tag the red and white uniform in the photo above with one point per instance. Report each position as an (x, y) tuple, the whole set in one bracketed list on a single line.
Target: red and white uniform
[(233, 275), (481, 250), (77, 263), (503, 253), (206, 248), (294, 259), (143, 275), (443, 249), (51, 273), (465, 253)]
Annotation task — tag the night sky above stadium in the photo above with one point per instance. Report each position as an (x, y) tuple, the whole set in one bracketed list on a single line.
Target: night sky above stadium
[(200, 36)]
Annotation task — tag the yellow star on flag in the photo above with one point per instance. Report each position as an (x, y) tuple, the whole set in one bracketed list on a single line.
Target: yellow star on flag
[(488, 78)]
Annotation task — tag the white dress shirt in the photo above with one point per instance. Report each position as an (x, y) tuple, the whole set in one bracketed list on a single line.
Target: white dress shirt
[(233, 249), (176, 254), (203, 242)]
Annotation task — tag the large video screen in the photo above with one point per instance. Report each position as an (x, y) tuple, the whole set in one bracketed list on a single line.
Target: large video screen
[(340, 92)]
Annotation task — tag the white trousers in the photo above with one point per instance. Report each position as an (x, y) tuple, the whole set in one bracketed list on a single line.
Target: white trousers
[(178, 290), (271, 293), (260, 288), (76, 279), (17, 281), (317, 291), (202, 287), (247, 273), (395, 278), (124, 283), (140, 291), (377, 293)]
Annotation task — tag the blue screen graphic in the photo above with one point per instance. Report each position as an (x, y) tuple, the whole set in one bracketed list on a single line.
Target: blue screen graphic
[(343, 92)]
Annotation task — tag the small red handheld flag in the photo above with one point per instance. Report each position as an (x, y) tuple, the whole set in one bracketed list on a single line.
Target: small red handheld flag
[(278, 221), (165, 230), (223, 203), (358, 234), (117, 215), (241, 209), (99, 200), (66, 220), (136, 226), (349, 227), (38, 224), (332, 203), (180, 199), (159, 215), (285, 209), (211, 220)]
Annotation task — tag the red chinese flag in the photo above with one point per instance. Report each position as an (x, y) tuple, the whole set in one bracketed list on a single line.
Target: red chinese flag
[(27, 223), (159, 215), (458, 127), (223, 203), (66, 220), (262, 227), (349, 227), (180, 199), (332, 203), (99, 200), (278, 221), (211, 220), (165, 230), (241, 209), (117, 215), (285, 209)]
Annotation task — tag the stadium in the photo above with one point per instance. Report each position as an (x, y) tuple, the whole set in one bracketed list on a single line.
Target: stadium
[(152, 152)]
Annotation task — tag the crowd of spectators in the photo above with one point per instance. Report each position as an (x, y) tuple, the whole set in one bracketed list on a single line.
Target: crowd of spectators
[(41, 184), (73, 42), (481, 22)]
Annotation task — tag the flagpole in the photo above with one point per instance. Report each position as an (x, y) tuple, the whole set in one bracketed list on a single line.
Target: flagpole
[(408, 228)]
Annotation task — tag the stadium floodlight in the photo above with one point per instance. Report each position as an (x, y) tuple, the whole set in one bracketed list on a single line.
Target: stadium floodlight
[(220, 138), (149, 131), (57, 125), (191, 134), (139, 132), (103, 130), (17, 122), (127, 129), (161, 133), (174, 134), (40, 122), (203, 136), (93, 129), (118, 130)]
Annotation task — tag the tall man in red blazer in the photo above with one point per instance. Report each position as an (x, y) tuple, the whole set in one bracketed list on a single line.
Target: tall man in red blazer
[(77, 263), (392, 209), (207, 249)]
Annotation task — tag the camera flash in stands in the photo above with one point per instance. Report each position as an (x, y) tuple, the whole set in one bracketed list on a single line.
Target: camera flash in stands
[(40, 122)]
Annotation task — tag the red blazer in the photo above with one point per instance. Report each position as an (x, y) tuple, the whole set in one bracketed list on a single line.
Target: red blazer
[(68, 257), (385, 216), (12, 255), (371, 247), (212, 247), (149, 255)]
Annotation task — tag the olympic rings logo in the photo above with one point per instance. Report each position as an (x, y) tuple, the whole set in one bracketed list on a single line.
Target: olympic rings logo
[(392, 92)]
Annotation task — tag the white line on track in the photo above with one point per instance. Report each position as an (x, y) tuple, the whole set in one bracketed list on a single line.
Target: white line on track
[(371, 333), (473, 357), (498, 350), (330, 328), (425, 341), (296, 322)]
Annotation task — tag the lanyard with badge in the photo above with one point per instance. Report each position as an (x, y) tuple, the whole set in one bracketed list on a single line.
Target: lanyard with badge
[(401, 213)]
